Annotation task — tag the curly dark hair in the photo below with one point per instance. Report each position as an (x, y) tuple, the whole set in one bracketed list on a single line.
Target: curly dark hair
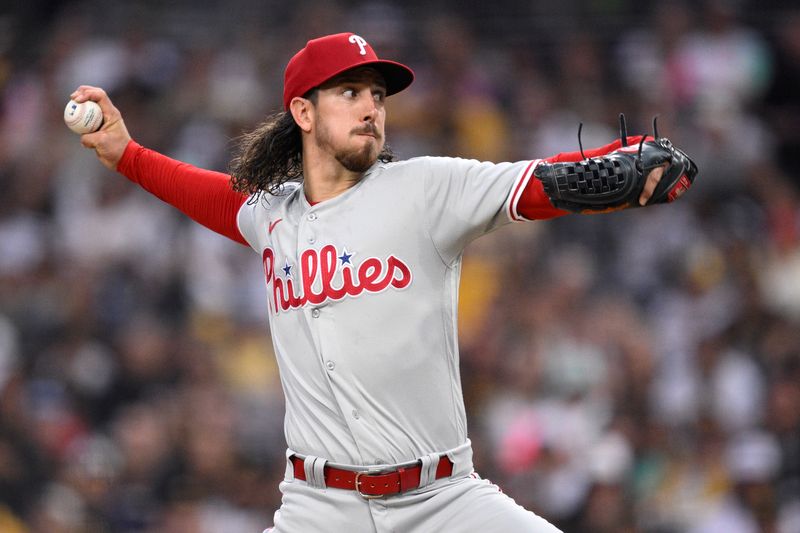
[(272, 154), (268, 156)]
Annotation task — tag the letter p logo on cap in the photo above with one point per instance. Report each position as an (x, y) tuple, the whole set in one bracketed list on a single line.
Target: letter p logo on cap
[(362, 44)]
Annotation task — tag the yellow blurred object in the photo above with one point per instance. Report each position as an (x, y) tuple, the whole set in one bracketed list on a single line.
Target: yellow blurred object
[(249, 364), (706, 266), (210, 327), (481, 130), (9, 523), (479, 287)]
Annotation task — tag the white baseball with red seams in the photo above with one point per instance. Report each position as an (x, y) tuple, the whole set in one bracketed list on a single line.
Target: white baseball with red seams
[(84, 117)]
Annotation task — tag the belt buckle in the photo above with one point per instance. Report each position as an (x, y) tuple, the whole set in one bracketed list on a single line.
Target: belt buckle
[(372, 471)]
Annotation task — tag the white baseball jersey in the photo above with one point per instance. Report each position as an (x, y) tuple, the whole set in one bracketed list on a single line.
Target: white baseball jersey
[(363, 292)]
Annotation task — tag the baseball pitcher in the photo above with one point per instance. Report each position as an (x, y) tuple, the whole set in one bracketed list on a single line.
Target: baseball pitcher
[(361, 259)]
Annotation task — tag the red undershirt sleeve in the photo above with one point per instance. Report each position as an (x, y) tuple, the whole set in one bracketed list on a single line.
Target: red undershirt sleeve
[(534, 203), (203, 195)]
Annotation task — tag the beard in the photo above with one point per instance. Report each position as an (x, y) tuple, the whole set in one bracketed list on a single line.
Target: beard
[(358, 160)]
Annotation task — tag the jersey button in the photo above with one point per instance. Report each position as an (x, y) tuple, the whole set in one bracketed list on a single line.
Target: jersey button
[(355, 414), (331, 365), (315, 312), (312, 217), (311, 239)]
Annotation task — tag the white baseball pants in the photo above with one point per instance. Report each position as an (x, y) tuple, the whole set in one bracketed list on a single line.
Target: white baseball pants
[(464, 503)]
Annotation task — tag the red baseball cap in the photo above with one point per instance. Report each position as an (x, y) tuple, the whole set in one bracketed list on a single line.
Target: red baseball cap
[(323, 58)]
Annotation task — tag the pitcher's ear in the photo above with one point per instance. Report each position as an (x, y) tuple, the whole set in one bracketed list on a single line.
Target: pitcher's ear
[(301, 110)]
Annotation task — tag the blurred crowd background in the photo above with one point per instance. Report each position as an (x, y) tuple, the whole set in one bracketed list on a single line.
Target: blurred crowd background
[(632, 372)]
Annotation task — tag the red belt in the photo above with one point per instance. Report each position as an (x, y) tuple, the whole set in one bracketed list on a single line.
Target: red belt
[(374, 484)]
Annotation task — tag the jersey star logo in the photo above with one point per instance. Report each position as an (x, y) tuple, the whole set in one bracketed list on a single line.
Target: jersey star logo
[(287, 269), (345, 257)]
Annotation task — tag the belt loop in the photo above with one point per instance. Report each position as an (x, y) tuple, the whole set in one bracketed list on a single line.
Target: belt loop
[(289, 475), (319, 472), (314, 468), (427, 474), (461, 457)]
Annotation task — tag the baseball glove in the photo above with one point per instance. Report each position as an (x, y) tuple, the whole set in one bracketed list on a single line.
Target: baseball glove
[(615, 180)]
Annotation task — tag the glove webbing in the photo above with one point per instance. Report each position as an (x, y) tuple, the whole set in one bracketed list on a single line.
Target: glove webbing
[(597, 183)]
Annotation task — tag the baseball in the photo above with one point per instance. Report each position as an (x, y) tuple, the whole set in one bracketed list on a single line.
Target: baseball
[(83, 118)]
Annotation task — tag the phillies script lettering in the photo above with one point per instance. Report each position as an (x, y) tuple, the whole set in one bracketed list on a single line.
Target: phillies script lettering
[(316, 281)]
